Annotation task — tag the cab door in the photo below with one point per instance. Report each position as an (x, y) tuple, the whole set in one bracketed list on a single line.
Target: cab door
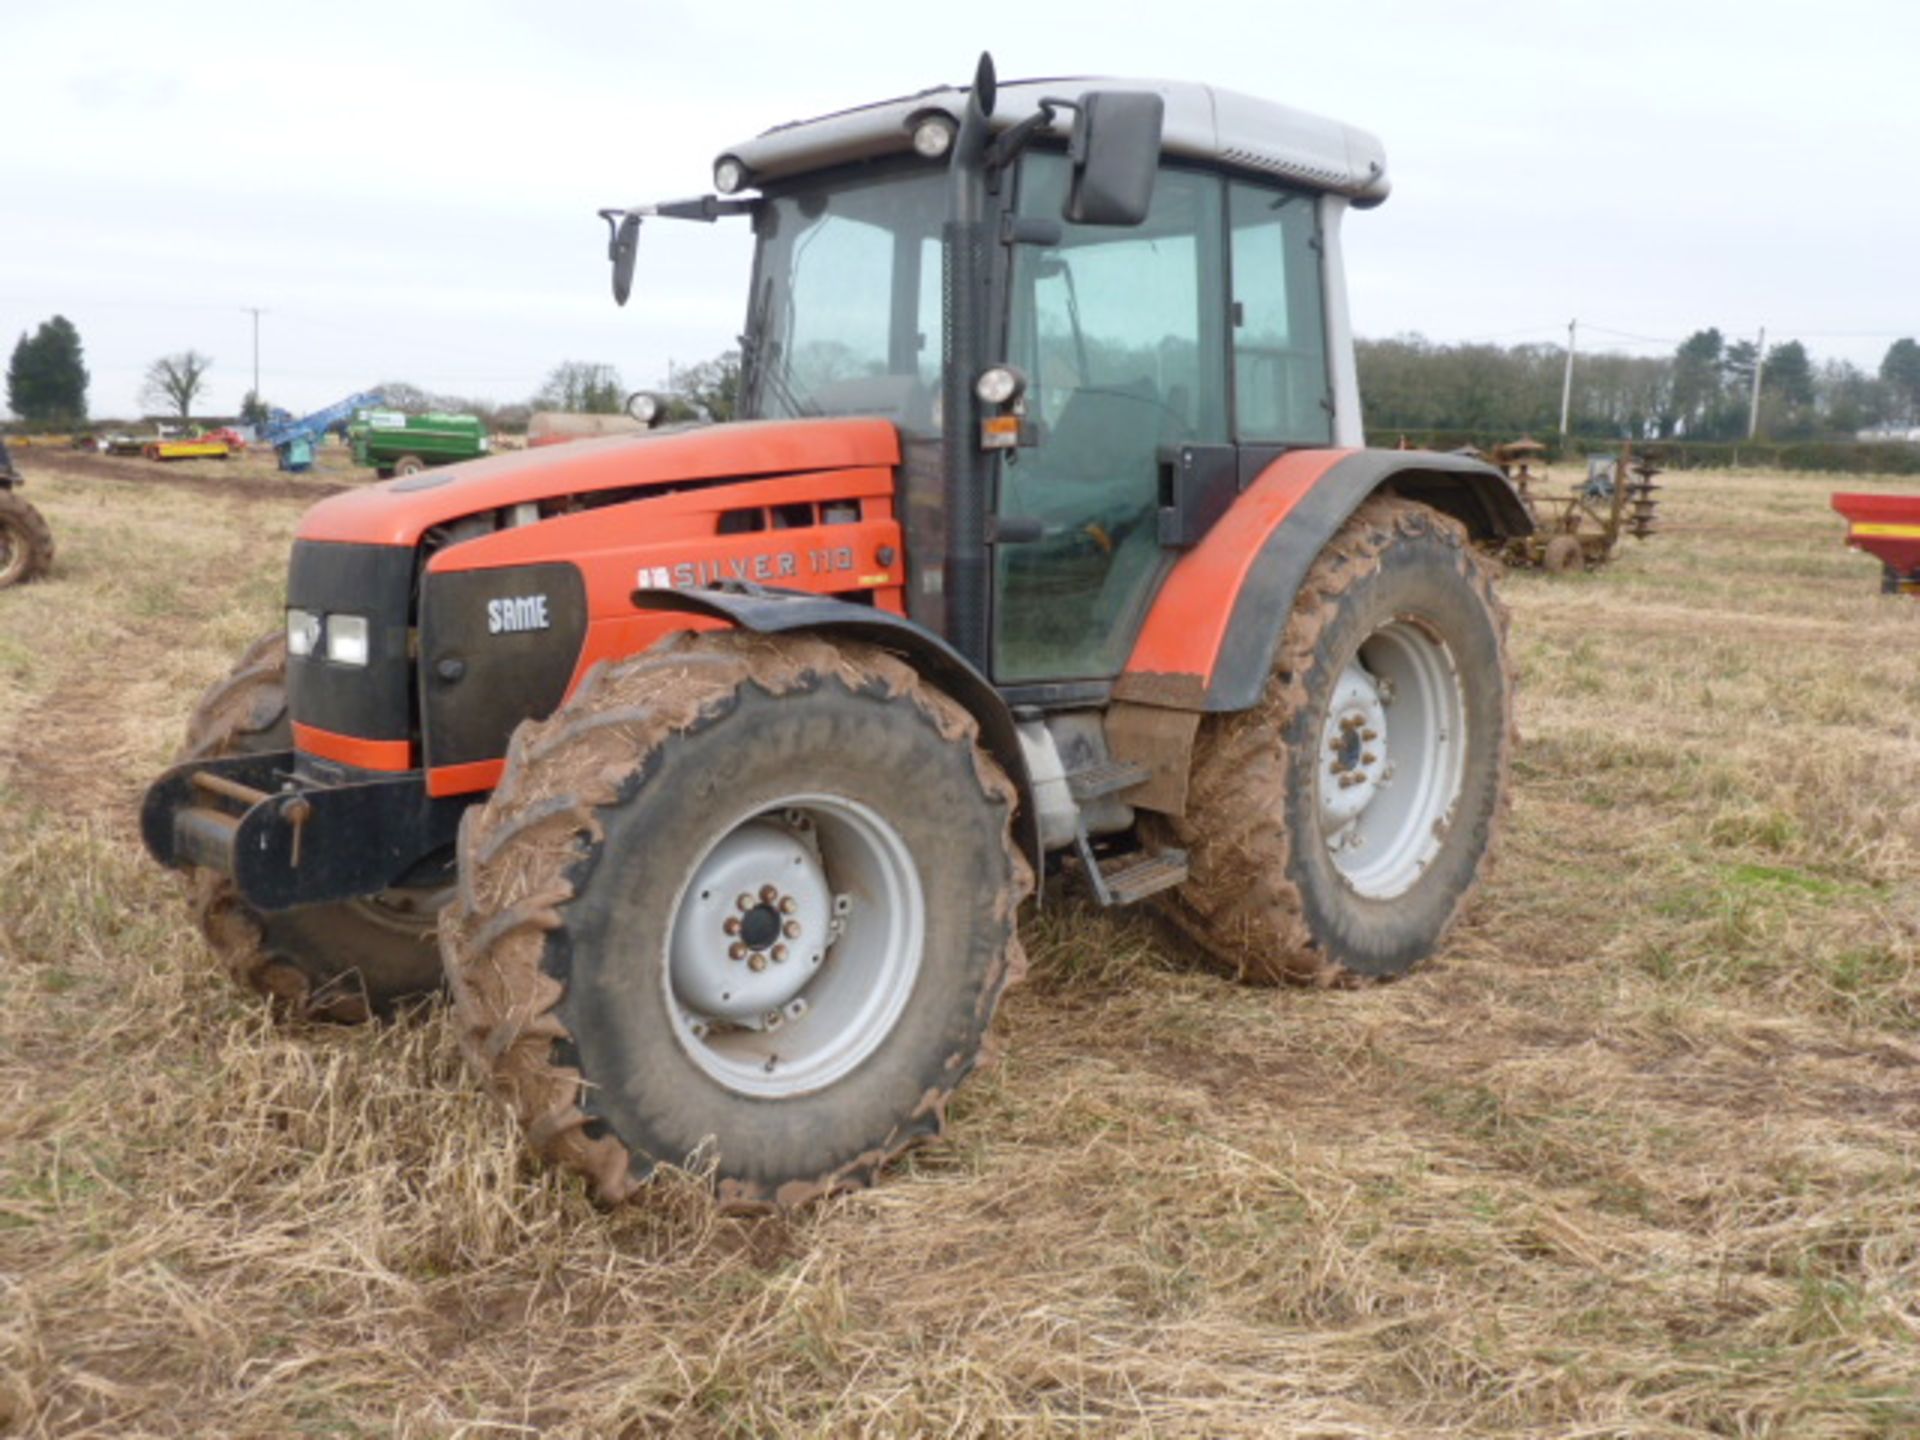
[(1122, 334)]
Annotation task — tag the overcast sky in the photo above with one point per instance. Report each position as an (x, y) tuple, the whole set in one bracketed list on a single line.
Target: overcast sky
[(408, 189)]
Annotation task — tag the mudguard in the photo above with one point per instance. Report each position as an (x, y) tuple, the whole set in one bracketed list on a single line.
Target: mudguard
[(751, 607), (1209, 641)]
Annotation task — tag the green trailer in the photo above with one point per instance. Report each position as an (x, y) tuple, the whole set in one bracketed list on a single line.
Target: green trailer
[(396, 444)]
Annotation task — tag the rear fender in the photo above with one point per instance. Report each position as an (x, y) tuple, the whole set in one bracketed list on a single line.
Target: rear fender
[(1209, 641), (772, 612)]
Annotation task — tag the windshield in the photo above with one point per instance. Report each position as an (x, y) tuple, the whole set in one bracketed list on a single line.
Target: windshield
[(846, 311)]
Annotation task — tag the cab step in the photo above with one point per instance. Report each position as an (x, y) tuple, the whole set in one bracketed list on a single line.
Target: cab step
[(1109, 777), (1132, 877)]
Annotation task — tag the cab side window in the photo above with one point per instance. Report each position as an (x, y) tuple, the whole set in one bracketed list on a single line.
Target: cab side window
[(1281, 392)]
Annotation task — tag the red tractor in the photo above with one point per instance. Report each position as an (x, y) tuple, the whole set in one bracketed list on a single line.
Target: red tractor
[(711, 767)]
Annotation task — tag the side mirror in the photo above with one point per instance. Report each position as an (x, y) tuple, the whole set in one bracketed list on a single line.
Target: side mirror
[(1115, 150), (623, 242)]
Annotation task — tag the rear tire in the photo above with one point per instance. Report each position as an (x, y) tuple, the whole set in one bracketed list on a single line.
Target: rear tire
[(409, 465), (1338, 828), (26, 542), (345, 962), (595, 948)]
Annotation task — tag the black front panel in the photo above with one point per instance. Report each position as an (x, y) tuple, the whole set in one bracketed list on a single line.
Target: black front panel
[(368, 702), (496, 647)]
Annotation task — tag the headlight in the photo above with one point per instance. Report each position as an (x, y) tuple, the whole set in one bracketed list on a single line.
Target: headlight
[(347, 639), (729, 175), (303, 632), (933, 136)]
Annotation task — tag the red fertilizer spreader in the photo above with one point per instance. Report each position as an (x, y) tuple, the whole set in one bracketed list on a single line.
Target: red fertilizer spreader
[(1887, 527)]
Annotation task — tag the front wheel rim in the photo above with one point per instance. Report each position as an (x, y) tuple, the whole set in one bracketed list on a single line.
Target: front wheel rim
[(1392, 759), (794, 946)]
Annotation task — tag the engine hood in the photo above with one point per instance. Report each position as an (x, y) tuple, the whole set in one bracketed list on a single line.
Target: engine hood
[(399, 512)]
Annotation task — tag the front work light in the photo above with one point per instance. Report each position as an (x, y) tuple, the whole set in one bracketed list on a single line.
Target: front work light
[(347, 639), (303, 632), (1000, 385), (933, 137), (729, 175)]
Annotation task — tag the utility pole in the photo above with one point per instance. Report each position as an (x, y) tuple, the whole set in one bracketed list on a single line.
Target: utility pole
[(1566, 383), (1759, 360), (256, 312)]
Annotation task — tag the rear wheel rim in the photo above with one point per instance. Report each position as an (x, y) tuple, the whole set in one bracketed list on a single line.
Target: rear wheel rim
[(1392, 759), (794, 946)]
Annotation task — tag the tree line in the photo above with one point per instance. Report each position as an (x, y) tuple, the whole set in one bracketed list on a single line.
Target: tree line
[(704, 391), (1702, 391)]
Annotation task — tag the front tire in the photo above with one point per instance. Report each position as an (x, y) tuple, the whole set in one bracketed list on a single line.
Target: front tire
[(346, 962), (1337, 829), (627, 890), (409, 465)]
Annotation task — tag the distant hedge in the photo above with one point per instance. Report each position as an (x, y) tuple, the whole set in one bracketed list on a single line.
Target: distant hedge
[(1847, 457)]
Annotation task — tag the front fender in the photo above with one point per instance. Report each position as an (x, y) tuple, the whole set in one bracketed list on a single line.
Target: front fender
[(777, 611), (1209, 641)]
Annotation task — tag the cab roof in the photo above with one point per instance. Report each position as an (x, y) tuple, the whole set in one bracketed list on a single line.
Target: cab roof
[(1221, 127)]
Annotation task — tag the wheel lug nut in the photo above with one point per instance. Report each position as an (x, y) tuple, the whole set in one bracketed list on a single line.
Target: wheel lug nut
[(791, 929), (787, 906), (1369, 735), (757, 962), (736, 951), (731, 925), (779, 952), (745, 902), (1368, 758), (768, 894)]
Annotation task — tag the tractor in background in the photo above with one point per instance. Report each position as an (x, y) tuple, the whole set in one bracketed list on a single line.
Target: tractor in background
[(26, 542), (712, 766)]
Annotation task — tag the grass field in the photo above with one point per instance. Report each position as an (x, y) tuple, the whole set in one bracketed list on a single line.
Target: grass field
[(1637, 1155)]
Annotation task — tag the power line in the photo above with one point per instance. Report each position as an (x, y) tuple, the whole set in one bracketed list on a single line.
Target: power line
[(1631, 335)]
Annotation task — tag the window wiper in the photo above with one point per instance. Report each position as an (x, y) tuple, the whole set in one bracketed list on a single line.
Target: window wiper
[(761, 358)]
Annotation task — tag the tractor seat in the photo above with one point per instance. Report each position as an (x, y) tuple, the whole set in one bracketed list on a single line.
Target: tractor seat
[(1104, 432)]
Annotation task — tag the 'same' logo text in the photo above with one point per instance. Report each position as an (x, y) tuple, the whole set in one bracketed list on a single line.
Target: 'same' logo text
[(517, 612)]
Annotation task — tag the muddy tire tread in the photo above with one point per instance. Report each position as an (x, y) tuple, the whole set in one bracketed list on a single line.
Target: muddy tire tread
[(1240, 905), (520, 858), (245, 712), (29, 526)]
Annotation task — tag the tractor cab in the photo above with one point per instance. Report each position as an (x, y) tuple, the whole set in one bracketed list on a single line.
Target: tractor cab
[(1127, 295)]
